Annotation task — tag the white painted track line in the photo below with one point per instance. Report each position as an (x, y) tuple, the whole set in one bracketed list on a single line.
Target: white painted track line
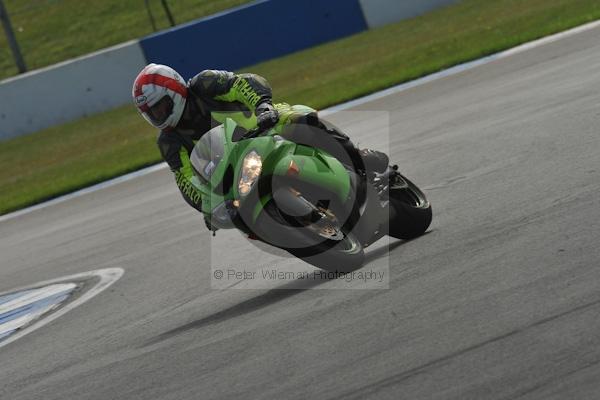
[(106, 277), (24, 320), (36, 295)]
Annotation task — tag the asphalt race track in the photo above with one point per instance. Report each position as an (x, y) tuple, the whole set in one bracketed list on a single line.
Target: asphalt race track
[(501, 300)]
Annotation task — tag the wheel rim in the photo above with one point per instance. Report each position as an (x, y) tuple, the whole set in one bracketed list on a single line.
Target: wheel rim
[(404, 190), (350, 244), (329, 229)]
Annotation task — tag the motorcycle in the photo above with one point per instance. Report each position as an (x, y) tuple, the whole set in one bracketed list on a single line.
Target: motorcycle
[(300, 198)]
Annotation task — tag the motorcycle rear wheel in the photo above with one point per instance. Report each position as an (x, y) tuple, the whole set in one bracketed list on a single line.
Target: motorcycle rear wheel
[(410, 211)]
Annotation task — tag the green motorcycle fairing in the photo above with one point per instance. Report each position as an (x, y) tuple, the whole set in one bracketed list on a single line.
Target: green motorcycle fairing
[(217, 158)]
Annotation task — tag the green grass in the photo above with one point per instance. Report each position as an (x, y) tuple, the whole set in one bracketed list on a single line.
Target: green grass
[(378, 59), (49, 31), (58, 160), (61, 159)]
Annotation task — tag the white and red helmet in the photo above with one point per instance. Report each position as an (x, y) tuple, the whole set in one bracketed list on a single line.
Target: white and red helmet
[(159, 93)]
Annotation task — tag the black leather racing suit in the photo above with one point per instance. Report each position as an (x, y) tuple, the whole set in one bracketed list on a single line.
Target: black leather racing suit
[(212, 95)]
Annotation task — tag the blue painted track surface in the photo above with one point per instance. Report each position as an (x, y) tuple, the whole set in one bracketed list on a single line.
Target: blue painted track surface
[(35, 308)]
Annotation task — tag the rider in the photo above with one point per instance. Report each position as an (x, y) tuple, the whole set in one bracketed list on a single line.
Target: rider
[(184, 112)]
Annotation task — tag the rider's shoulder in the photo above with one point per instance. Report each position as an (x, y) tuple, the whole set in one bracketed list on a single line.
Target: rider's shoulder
[(209, 78)]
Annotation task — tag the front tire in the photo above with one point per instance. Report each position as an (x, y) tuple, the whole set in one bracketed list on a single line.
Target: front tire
[(343, 254)]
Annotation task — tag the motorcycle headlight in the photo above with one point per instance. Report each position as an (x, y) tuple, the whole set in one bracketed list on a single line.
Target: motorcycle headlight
[(251, 168)]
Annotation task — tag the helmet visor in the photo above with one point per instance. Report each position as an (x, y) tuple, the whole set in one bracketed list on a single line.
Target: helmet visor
[(160, 111)]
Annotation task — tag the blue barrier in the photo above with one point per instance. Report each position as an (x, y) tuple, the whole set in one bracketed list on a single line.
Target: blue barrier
[(253, 33)]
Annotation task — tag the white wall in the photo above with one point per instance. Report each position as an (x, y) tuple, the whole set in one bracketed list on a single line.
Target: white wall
[(69, 90), (382, 12)]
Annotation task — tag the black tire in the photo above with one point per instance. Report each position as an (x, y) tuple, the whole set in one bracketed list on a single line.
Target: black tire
[(410, 211), (342, 255)]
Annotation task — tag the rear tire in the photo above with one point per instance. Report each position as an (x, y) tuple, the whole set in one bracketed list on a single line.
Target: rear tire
[(410, 211)]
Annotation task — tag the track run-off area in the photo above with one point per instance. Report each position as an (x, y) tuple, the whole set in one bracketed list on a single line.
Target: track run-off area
[(500, 300)]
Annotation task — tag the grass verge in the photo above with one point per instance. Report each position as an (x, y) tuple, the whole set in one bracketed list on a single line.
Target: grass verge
[(49, 31), (55, 161)]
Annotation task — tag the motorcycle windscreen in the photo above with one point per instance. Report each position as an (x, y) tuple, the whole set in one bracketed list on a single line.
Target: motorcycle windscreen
[(208, 153)]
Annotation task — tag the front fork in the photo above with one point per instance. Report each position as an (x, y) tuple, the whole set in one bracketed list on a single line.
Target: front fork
[(301, 211)]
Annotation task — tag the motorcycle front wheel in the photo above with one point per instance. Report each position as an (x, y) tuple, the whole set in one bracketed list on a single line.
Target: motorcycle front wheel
[(328, 247)]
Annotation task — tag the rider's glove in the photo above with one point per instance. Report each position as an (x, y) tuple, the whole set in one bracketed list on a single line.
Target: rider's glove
[(266, 116)]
